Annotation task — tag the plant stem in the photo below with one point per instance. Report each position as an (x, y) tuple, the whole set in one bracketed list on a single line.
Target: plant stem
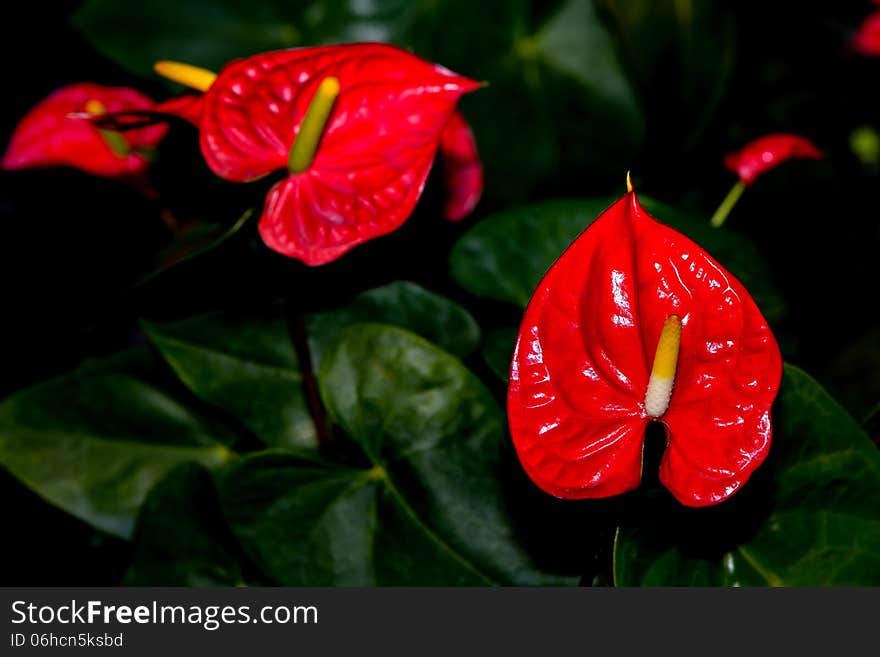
[(727, 204), (313, 397)]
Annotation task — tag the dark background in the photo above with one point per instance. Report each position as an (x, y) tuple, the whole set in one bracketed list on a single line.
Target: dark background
[(72, 246)]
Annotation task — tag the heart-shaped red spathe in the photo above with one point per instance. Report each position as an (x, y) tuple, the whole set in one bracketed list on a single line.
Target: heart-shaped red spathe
[(768, 152), (462, 169), (51, 134), (393, 112), (580, 370)]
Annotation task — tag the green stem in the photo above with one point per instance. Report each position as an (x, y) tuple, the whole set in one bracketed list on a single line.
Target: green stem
[(727, 204)]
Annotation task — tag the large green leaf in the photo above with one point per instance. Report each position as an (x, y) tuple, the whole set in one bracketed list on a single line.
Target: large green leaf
[(93, 442), (405, 304), (422, 504), (559, 104), (181, 537), (246, 364), (811, 517), (505, 256)]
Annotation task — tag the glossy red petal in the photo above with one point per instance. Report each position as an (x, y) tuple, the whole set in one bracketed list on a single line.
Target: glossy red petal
[(187, 107), (585, 347), (318, 215), (866, 40), (768, 152), (47, 136), (391, 106), (462, 170)]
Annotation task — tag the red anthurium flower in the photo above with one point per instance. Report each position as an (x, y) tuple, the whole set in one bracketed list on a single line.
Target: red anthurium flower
[(356, 127), (866, 40), (768, 152), (54, 133), (636, 323), (754, 159)]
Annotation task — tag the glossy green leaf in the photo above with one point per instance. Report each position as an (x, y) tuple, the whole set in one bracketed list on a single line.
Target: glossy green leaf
[(505, 256), (246, 365), (422, 504), (810, 517), (404, 304), (181, 537), (94, 442), (556, 84)]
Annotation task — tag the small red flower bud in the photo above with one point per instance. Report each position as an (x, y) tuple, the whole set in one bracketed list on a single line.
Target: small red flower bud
[(768, 152), (633, 323)]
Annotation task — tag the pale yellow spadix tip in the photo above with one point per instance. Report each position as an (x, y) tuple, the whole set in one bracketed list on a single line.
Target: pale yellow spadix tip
[(662, 379), (629, 182), (186, 74), (95, 107), (666, 356)]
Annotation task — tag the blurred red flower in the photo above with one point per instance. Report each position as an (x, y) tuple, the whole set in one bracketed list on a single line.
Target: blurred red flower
[(636, 322), (767, 152), (55, 133), (866, 39)]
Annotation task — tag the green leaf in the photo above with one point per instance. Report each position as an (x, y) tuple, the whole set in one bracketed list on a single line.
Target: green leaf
[(94, 442), (181, 537), (556, 84), (681, 56), (505, 256), (575, 44), (246, 365), (421, 504), (403, 304), (810, 517)]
